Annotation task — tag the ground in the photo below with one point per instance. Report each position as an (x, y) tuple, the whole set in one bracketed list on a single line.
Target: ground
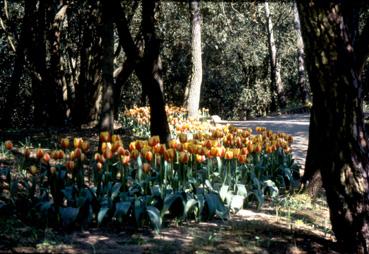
[(296, 224)]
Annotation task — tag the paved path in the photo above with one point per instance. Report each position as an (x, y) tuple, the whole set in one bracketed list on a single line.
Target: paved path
[(296, 125)]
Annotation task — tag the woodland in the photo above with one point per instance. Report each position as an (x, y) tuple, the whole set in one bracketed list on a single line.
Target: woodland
[(126, 126)]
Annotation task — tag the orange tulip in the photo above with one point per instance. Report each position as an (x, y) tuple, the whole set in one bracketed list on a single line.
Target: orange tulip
[(105, 136), (77, 142), (135, 153), (39, 153), (8, 145), (228, 155), (148, 155), (183, 137), (85, 146), (46, 157), (146, 167), (169, 155), (64, 143), (184, 157)]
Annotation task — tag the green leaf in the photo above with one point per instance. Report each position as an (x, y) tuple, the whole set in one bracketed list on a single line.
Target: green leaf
[(170, 201), (102, 213), (272, 187), (154, 216), (115, 190), (237, 202), (219, 164), (215, 205), (122, 209), (208, 184), (223, 192), (155, 190), (68, 215), (189, 205), (139, 210), (241, 190)]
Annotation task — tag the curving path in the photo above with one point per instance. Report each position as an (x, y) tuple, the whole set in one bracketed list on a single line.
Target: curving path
[(296, 125)]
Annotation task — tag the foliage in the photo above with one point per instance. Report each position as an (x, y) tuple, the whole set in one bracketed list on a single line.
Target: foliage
[(198, 176)]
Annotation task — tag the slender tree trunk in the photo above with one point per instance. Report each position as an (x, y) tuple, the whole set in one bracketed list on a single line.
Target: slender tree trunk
[(152, 80), (107, 110), (278, 99), (337, 120), (304, 94), (194, 90)]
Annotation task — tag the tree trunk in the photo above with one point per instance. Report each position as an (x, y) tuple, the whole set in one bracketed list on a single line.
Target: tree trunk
[(194, 90), (13, 89), (152, 80), (86, 106), (107, 110), (278, 99), (304, 94), (337, 120)]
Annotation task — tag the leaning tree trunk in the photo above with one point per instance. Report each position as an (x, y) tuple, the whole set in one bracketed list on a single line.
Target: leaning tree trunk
[(106, 121), (278, 99), (193, 99), (337, 116), (152, 80)]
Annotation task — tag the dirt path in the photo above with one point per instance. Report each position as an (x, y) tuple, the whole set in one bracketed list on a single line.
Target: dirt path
[(296, 125)]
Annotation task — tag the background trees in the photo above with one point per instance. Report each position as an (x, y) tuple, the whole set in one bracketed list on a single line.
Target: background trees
[(57, 77)]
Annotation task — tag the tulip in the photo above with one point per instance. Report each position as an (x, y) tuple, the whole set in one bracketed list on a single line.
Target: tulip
[(8, 145)]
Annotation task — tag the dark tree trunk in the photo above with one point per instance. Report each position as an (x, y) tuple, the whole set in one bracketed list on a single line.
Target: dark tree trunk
[(340, 149), (86, 107), (106, 121), (152, 80), (25, 37)]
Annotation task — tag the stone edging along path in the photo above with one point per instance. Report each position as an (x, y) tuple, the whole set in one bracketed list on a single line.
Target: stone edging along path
[(296, 125)]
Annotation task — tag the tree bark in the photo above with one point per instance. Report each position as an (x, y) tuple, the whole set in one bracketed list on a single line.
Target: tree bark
[(87, 102), (278, 98), (13, 89), (304, 94), (337, 120), (194, 90), (107, 110), (152, 80)]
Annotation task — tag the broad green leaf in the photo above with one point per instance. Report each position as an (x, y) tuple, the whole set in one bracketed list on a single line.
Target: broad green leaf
[(223, 192), (170, 200), (215, 205), (189, 205), (208, 184), (272, 187), (155, 191), (154, 216), (68, 215), (115, 190), (241, 190), (122, 209), (102, 213), (139, 210), (237, 202)]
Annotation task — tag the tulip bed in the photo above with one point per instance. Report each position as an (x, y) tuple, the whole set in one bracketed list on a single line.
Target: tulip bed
[(196, 176)]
